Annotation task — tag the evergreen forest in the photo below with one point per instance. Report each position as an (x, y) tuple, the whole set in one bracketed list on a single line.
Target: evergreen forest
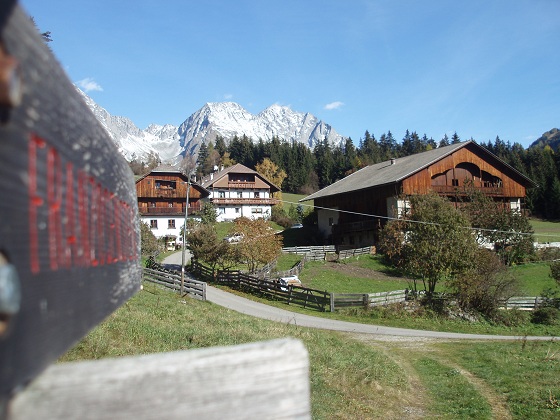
[(309, 170)]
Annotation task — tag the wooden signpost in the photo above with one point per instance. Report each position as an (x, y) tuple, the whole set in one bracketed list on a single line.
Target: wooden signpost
[(69, 256), (69, 232)]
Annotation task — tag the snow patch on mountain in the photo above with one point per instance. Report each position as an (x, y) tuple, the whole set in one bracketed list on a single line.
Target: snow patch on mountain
[(227, 119)]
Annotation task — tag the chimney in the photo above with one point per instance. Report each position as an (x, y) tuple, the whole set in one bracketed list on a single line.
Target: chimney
[(393, 161), (211, 176)]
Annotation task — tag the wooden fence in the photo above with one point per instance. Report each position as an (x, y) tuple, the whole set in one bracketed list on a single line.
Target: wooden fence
[(194, 288), (344, 300), (292, 295), (321, 253), (523, 303)]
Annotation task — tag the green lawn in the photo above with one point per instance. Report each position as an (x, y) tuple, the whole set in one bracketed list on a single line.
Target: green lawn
[(546, 231)]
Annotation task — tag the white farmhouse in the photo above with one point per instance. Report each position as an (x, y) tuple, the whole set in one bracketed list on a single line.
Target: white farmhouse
[(239, 191)]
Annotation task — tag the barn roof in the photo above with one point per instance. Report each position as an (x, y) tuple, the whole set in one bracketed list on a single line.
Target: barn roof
[(396, 170)]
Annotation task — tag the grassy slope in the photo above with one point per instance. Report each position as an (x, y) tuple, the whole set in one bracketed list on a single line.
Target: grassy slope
[(343, 372), (350, 379)]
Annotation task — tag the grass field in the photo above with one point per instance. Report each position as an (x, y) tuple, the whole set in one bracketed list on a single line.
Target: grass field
[(351, 377), (546, 231)]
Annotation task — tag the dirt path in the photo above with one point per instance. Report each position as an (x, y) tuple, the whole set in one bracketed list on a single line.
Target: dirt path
[(403, 350)]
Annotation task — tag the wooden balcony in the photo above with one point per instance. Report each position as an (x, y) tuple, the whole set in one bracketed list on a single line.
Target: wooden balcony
[(493, 191), (361, 226), (241, 185), (167, 211), (244, 201), (167, 193)]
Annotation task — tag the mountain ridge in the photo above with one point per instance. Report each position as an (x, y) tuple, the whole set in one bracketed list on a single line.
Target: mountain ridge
[(171, 143)]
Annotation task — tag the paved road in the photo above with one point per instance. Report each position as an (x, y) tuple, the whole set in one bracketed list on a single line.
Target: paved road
[(259, 310)]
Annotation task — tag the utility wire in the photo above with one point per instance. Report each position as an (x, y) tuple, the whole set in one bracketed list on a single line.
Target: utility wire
[(413, 221)]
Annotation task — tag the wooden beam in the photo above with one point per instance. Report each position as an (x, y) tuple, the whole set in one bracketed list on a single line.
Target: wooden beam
[(263, 380)]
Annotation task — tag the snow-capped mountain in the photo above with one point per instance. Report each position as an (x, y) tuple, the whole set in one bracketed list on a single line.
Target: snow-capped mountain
[(227, 119)]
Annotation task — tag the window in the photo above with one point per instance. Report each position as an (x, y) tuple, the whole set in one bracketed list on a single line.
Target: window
[(169, 204), (152, 204), (237, 210), (221, 194), (455, 182), (221, 210), (257, 194), (153, 223), (256, 210), (239, 194), (171, 224)]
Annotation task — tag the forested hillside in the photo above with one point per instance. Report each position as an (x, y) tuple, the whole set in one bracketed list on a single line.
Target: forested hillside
[(311, 169)]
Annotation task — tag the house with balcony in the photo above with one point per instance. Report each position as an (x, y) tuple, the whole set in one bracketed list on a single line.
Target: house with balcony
[(353, 210), (162, 200), (239, 191)]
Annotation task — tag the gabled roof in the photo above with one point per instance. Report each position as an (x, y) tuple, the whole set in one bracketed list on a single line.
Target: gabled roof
[(171, 170), (396, 170), (238, 168)]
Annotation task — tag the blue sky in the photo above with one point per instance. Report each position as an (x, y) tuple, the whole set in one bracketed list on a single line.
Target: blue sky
[(480, 68)]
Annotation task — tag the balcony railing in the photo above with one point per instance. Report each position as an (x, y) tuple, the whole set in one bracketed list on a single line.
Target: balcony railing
[(241, 185), (166, 192), (155, 211), (355, 226), (244, 201), (451, 190)]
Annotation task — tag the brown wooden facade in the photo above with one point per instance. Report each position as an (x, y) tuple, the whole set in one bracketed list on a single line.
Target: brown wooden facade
[(165, 192), (356, 216)]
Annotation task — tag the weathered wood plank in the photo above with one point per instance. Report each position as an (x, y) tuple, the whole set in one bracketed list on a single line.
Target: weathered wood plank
[(69, 215), (265, 380)]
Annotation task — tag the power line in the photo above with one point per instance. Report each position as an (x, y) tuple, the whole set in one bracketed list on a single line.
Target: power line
[(415, 221)]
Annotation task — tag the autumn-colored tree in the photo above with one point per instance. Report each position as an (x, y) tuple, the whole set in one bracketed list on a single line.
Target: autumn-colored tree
[(259, 246), (273, 173), (205, 246)]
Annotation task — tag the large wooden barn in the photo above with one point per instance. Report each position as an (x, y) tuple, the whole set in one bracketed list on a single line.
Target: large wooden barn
[(353, 210)]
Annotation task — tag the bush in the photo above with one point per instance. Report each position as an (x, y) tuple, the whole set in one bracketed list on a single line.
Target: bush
[(280, 217), (510, 317), (484, 287), (547, 315)]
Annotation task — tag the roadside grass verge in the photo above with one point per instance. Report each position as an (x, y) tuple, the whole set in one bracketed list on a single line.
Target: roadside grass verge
[(525, 373), (349, 379)]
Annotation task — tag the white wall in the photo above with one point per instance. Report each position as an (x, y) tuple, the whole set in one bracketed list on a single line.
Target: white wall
[(324, 221), (162, 225)]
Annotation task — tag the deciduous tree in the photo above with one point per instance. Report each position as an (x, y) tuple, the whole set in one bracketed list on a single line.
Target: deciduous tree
[(259, 246), (433, 243)]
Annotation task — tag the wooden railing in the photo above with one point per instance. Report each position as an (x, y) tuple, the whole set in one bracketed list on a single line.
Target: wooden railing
[(171, 280), (455, 190), (292, 295), (168, 210), (245, 201)]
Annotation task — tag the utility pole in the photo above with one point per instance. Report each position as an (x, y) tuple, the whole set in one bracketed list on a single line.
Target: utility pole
[(185, 235)]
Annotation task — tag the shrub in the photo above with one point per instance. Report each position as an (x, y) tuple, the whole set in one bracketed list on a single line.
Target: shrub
[(511, 317), (546, 315), (484, 287)]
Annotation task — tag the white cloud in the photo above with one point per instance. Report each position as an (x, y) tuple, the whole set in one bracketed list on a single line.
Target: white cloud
[(334, 105), (228, 96), (88, 84)]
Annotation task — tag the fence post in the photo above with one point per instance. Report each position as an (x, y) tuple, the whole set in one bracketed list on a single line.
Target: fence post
[(332, 302)]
